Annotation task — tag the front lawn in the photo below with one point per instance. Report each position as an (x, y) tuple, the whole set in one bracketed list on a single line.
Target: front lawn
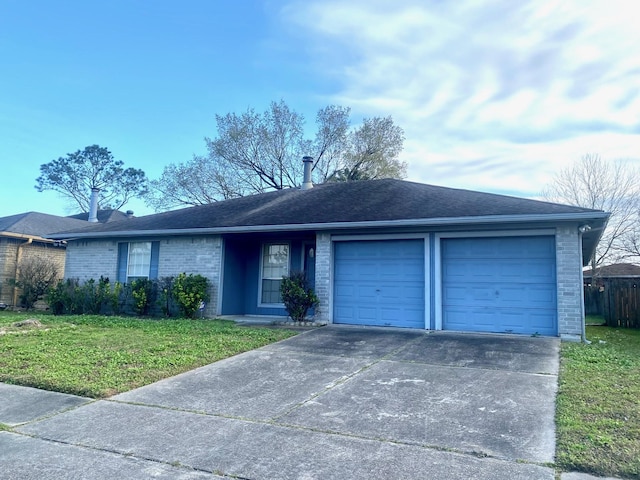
[(98, 356), (598, 409)]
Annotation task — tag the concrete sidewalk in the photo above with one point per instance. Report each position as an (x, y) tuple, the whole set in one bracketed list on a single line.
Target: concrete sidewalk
[(23, 404), (329, 403)]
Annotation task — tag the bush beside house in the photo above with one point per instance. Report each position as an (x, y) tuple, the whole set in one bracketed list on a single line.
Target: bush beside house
[(298, 297), (143, 297)]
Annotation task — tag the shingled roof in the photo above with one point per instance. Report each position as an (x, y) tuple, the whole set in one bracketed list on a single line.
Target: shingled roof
[(372, 201), (620, 270), (104, 216), (38, 224)]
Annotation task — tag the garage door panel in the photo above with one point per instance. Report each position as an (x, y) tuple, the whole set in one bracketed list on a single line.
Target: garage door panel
[(499, 294), (366, 314), (412, 318), (500, 320), (414, 295), (343, 312), (540, 272), (402, 274), (460, 295), (504, 247), (470, 271), (346, 290), (457, 319), (381, 281), (499, 284)]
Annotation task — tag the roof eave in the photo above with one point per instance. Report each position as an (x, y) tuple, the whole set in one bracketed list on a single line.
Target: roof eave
[(25, 236), (596, 219)]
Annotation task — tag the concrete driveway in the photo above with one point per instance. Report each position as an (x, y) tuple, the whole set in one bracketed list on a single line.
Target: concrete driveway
[(343, 403)]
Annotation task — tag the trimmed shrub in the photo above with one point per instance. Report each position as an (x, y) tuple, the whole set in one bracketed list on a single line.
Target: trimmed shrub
[(69, 296), (58, 296), (142, 292), (298, 297), (189, 291), (98, 295)]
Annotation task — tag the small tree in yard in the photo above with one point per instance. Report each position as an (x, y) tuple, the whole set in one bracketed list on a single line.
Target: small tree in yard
[(189, 291), (35, 276), (297, 296)]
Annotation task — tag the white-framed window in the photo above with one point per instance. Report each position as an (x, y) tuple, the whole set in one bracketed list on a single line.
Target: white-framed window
[(139, 261), (274, 265)]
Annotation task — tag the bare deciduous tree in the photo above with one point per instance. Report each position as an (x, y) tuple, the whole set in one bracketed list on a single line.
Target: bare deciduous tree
[(197, 182), (372, 152), (331, 141), (255, 152), (612, 186), (264, 149)]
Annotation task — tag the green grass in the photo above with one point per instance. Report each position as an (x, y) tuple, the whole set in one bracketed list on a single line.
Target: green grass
[(598, 405), (98, 356), (4, 427), (595, 320)]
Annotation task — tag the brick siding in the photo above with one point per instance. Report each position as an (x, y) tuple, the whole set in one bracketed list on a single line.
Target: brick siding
[(323, 276), (8, 262), (202, 255), (568, 268)]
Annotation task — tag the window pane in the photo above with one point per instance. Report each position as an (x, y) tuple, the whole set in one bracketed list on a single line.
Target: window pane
[(275, 265), (139, 259), (271, 291), (275, 261)]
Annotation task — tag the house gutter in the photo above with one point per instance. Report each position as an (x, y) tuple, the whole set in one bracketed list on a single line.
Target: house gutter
[(32, 238), (596, 217), (582, 307)]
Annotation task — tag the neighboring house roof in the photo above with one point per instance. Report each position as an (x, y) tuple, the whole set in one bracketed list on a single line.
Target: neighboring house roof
[(35, 224), (620, 270), (383, 203), (104, 216)]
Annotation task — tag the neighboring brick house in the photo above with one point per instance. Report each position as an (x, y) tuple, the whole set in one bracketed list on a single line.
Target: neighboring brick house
[(380, 252), (25, 235)]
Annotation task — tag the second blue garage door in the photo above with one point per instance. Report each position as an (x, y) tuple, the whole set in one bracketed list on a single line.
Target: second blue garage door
[(503, 284), (379, 283)]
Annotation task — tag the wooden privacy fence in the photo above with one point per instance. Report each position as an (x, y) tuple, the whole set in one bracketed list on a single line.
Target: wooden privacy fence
[(594, 300), (619, 302)]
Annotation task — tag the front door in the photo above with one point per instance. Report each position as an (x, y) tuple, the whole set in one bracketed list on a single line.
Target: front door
[(309, 264)]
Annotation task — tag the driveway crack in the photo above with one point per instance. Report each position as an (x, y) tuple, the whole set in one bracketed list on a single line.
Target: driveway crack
[(345, 378)]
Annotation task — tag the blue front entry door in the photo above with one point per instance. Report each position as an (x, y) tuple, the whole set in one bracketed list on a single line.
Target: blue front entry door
[(505, 284), (379, 283)]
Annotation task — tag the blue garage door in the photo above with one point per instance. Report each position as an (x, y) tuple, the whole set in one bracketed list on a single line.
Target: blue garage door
[(503, 284), (379, 283)]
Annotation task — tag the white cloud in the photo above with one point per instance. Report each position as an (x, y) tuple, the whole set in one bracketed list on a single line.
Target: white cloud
[(492, 95)]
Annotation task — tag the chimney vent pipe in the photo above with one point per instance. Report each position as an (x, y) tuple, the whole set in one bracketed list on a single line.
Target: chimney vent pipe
[(93, 205), (308, 164)]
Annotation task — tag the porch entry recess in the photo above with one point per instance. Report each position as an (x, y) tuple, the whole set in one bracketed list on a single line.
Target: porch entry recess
[(499, 284), (379, 283)]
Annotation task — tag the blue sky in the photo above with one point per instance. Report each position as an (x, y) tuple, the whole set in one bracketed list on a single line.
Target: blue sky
[(494, 96)]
